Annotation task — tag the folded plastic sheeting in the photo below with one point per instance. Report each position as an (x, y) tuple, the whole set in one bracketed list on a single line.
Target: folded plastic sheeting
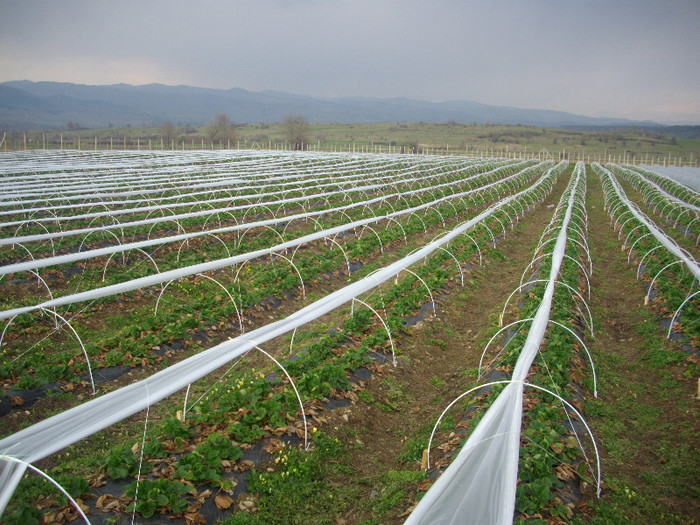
[(479, 486), (468, 491), (61, 430)]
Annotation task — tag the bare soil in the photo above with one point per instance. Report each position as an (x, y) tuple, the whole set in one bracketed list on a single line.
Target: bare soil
[(622, 320), (438, 356)]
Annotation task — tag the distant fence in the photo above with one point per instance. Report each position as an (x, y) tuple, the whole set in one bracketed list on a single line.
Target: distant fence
[(27, 142)]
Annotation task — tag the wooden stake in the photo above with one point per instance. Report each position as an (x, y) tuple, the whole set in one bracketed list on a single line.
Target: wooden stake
[(424, 459)]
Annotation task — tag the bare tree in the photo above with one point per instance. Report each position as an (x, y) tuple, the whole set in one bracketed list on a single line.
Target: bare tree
[(167, 130), (221, 128), (297, 130)]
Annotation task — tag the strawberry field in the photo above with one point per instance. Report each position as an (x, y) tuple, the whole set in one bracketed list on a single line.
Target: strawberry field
[(296, 337)]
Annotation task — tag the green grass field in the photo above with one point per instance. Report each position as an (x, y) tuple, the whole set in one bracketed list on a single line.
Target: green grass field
[(630, 145)]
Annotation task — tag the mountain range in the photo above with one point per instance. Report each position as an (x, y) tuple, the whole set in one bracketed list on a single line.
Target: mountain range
[(45, 105)]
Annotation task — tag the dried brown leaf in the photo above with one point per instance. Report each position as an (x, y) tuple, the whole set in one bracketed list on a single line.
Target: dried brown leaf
[(222, 502), (107, 503), (194, 518)]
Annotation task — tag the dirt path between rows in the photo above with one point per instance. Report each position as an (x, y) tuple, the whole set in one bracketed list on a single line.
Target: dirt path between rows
[(436, 364), (648, 429)]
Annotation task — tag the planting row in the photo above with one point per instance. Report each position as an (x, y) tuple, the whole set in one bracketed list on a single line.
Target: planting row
[(679, 214), (499, 468), (672, 187), (86, 419), (273, 229), (670, 271), (190, 299), (270, 187)]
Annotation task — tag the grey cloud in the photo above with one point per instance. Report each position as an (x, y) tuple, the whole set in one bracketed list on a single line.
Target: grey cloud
[(622, 58)]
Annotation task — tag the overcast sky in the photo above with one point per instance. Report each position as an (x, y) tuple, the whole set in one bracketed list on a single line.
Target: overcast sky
[(637, 59)]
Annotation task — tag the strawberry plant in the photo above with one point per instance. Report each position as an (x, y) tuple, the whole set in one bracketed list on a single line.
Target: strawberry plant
[(161, 495), (205, 461), (121, 462)]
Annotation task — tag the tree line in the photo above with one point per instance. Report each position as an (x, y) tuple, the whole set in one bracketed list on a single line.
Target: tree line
[(221, 128)]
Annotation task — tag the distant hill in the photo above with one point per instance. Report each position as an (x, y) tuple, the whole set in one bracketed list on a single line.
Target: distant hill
[(44, 105)]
